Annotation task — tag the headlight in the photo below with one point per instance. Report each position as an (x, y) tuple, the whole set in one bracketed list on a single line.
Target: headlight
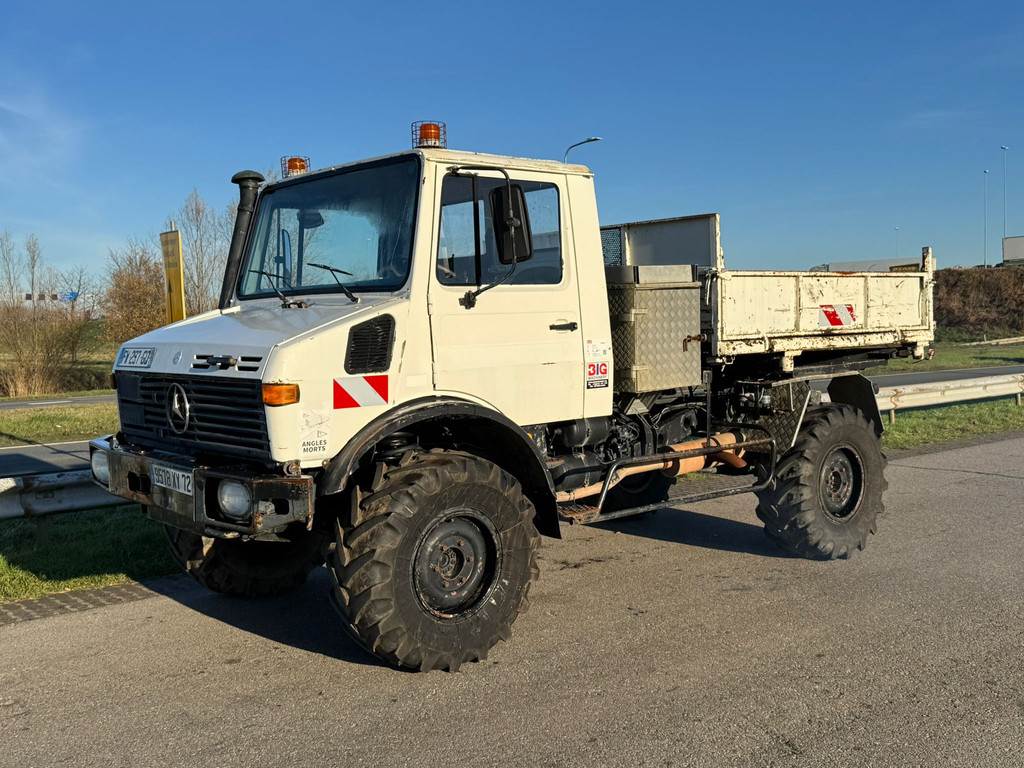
[(234, 499), (100, 463)]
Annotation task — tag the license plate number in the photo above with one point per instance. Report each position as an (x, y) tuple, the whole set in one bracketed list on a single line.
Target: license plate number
[(174, 479), (135, 357)]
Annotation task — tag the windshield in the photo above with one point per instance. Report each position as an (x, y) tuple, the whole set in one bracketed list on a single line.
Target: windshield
[(357, 222)]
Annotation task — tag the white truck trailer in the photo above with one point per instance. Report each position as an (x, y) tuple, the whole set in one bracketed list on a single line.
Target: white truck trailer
[(423, 362)]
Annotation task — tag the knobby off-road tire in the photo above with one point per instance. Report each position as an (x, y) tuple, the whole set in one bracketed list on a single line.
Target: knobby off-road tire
[(248, 568), (827, 494), (434, 560)]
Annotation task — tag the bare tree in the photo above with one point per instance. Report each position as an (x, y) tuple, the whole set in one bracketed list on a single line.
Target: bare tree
[(10, 269), (204, 239), (40, 335), (81, 299), (134, 300)]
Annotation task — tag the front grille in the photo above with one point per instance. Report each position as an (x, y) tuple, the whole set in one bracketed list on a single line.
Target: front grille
[(225, 415)]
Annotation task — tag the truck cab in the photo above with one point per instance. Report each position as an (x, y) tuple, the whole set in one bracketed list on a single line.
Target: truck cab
[(421, 362)]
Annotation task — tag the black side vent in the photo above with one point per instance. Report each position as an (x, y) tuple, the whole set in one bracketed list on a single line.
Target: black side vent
[(369, 345)]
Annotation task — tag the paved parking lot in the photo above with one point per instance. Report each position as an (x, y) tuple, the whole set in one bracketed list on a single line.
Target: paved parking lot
[(679, 639)]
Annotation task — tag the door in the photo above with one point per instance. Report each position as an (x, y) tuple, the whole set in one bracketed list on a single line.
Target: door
[(519, 348)]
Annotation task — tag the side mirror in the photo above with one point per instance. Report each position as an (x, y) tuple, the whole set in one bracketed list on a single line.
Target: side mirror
[(511, 224)]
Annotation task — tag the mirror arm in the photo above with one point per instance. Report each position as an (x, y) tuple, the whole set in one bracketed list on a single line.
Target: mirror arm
[(469, 300)]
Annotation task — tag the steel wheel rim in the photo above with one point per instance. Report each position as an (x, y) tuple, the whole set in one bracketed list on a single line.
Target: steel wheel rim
[(455, 564), (841, 483)]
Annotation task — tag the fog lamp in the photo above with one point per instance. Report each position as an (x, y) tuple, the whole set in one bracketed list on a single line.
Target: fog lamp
[(234, 499)]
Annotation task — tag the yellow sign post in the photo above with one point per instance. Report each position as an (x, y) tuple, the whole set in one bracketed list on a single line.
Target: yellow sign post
[(174, 269)]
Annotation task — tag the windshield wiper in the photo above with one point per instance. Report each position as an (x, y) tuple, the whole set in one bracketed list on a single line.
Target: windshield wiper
[(334, 273), (286, 303)]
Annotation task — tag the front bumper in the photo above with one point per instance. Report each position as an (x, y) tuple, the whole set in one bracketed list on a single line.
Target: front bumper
[(277, 501)]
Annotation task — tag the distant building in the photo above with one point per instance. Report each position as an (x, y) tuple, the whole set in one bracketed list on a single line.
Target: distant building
[(1013, 251)]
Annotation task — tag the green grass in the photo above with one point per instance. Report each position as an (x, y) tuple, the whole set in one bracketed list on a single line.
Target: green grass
[(78, 550), (949, 355), (57, 424), (925, 426)]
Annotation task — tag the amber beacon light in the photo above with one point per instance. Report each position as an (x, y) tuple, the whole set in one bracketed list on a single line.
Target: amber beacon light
[(293, 165), (429, 133)]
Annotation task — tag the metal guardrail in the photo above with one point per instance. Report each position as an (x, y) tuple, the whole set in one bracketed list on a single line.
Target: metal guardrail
[(47, 494), (892, 399), (34, 495), (996, 342)]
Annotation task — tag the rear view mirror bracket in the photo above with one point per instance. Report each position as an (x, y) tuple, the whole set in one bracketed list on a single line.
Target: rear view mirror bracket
[(514, 224)]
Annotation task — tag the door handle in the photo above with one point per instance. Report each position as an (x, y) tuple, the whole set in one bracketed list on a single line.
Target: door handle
[(570, 326)]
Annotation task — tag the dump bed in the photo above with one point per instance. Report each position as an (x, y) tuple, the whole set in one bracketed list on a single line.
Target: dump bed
[(775, 312), (795, 312)]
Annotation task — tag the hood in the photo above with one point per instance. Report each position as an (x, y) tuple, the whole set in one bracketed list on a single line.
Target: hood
[(248, 332)]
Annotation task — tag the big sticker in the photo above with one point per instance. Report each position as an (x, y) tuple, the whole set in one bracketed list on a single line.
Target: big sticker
[(597, 363)]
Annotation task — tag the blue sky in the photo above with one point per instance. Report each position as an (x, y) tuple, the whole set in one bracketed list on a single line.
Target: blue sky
[(814, 128)]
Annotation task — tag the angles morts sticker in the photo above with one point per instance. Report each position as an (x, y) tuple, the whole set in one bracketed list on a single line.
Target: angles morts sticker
[(313, 438)]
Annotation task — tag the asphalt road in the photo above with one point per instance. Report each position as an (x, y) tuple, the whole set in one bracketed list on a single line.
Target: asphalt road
[(32, 459), (10, 405), (679, 639)]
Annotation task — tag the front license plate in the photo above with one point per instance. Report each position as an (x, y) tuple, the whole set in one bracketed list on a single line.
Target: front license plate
[(174, 479), (135, 357)]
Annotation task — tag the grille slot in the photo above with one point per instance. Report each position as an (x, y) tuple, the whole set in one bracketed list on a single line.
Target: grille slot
[(370, 345), (249, 363), (225, 415)]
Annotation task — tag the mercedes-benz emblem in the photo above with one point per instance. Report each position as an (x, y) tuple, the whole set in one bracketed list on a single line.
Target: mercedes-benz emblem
[(178, 409)]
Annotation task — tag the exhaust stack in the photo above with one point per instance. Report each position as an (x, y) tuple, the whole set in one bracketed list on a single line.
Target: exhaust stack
[(248, 187)]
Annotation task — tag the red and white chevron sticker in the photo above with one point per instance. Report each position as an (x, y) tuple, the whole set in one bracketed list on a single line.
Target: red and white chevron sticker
[(836, 315), (357, 391)]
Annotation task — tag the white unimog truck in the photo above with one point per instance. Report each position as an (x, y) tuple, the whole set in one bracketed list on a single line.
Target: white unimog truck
[(423, 362)]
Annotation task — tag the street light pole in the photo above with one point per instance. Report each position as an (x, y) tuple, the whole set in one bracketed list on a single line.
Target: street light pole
[(1004, 148), (984, 247), (897, 243)]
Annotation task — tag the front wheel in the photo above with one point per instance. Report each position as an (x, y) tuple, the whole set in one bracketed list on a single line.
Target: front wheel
[(435, 559), (827, 494)]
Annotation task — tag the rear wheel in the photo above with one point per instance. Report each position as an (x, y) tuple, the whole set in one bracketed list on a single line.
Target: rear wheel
[(435, 559), (248, 568), (827, 494)]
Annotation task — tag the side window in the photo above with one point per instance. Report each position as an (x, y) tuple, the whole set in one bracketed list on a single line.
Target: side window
[(456, 255)]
